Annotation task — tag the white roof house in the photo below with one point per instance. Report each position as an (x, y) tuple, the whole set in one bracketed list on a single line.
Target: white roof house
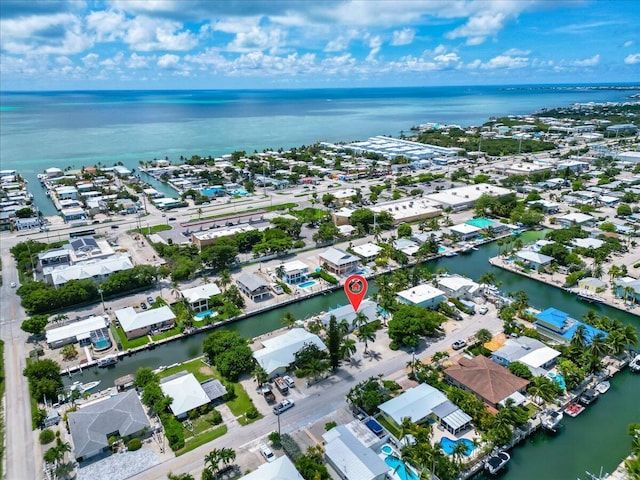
[(421, 295), (280, 469), (131, 320), (587, 242), (577, 218), (529, 351), (201, 292), (534, 257), (464, 229), (415, 403), (464, 197), (458, 286), (80, 330), (368, 251), (351, 458), (294, 267), (96, 268), (279, 352), (186, 392), (368, 307)]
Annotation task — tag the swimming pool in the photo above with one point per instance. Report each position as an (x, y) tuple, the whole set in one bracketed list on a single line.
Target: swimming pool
[(240, 192), (559, 379), (442, 249), (400, 470), (206, 313), (211, 192), (387, 449), (307, 284), (449, 445), (102, 344)]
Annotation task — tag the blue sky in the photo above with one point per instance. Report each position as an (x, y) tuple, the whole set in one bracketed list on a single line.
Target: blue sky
[(181, 44)]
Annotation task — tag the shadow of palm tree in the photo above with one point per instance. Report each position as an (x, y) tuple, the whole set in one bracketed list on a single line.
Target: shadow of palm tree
[(355, 362), (373, 355)]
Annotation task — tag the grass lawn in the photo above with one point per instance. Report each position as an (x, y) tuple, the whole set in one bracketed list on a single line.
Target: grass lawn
[(198, 426), (199, 369), (169, 333), (244, 420), (395, 431), (531, 409), (152, 229), (241, 403), (125, 342), (201, 439)]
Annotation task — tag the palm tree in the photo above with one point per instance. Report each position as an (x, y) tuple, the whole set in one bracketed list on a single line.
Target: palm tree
[(260, 375), (224, 280), (175, 291), (630, 335), (360, 320), (63, 470), (459, 452), (598, 346), (280, 271), (288, 320), (579, 340), (227, 455), (488, 278), (212, 461), (484, 336), (366, 334), (616, 342), (205, 278), (543, 388), (347, 348)]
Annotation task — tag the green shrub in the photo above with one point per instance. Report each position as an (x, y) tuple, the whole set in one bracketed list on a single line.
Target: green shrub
[(275, 438), (253, 413), (134, 444), (47, 436), (329, 425), (193, 414), (290, 447), (215, 417)]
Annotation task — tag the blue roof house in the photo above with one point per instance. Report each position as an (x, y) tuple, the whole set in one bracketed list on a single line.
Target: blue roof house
[(559, 326)]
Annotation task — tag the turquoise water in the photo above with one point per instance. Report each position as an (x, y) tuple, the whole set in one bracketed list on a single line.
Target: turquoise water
[(387, 449), (449, 445), (559, 379), (442, 249), (204, 314), (400, 470), (240, 192), (307, 284), (480, 222), (102, 344), (211, 191)]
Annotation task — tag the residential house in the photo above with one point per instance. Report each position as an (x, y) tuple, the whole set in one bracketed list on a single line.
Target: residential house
[(575, 218), (293, 272), (560, 327), (406, 246), (91, 331), (533, 259), (136, 324), (368, 308), (367, 252), (338, 261), (591, 285), (587, 243), (119, 416), (628, 288), (424, 403), (280, 469), (198, 297), (529, 351), (253, 286), (460, 287), (423, 295), (279, 352), (95, 269), (465, 232), (350, 458), (187, 393), (490, 382)]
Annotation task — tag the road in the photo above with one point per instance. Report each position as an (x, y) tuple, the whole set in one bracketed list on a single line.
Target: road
[(20, 447), (322, 399)]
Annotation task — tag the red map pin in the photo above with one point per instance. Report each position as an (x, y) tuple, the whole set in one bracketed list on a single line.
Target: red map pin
[(356, 288)]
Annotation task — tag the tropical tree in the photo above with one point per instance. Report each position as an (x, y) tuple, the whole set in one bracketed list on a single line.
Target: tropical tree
[(260, 375), (175, 289), (543, 388), (459, 452), (212, 461), (280, 271), (347, 348), (227, 455), (63, 470), (598, 346), (360, 320), (484, 336), (579, 340), (366, 334), (288, 319), (224, 280), (488, 278), (334, 342)]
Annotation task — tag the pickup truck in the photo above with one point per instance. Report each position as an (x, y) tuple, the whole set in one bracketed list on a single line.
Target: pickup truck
[(283, 406), (281, 384), (268, 394)]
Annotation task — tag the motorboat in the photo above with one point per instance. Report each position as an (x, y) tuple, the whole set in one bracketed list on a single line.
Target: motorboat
[(589, 396), (84, 387), (108, 360), (551, 420), (603, 387), (451, 253), (574, 409), (496, 462), (634, 365)]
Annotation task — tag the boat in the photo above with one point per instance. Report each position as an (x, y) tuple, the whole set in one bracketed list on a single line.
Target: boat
[(589, 298), (84, 387), (451, 254), (496, 462), (466, 248), (603, 387), (108, 360), (634, 365), (574, 409), (552, 420), (589, 396)]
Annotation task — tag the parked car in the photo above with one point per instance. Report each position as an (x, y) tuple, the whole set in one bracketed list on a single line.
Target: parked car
[(458, 344), (172, 219), (151, 300), (13, 284), (114, 226), (289, 381), (143, 306), (283, 406), (277, 289), (482, 309), (267, 453)]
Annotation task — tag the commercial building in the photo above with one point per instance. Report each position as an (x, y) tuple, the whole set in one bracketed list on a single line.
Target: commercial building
[(462, 198)]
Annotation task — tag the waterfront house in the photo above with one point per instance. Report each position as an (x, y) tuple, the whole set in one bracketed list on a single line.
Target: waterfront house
[(457, 286), (576, 218), (293, 272), (533, 259), (529, 351), (367, 252), (188, 394), (627, 288), (136, 324), (406, 246), (465, 232), (253, 286), (338, 261), (424, 403), (198, 297), (560, 327), (350, 458), (278, 353), (119, 416), (423, 295), (280, 469), (368, 308), (91, 331), (591, 285), (490, 382)]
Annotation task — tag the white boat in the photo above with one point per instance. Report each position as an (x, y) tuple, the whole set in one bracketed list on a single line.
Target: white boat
[(603, 387), (84, 387), (108, 360), (450, 254), (551, 420), (634, 365), (496, 462)]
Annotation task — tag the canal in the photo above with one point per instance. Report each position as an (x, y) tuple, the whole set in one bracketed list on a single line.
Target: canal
[(596, 439)]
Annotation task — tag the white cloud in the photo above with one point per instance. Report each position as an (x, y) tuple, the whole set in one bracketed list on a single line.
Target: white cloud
[(108, 25), (375, 43), (587, 62), (628, 44), (505, 62), (90, 60), (64, 61), (113, 61), (403, 37), (168, 61), (137, 61), (632, 59), (342, 41), (257, 39), (146, 34)]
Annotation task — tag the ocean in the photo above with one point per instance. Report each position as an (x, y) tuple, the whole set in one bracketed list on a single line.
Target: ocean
[(75, 128)]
